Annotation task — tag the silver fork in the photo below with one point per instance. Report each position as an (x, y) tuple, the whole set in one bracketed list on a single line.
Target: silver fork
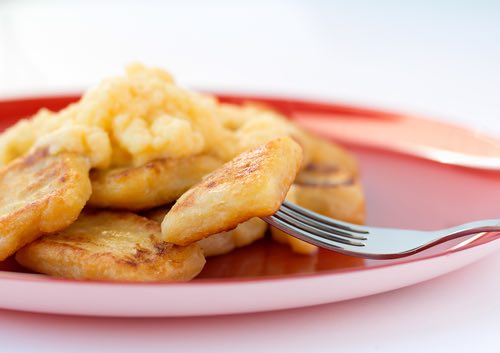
[(363, 241)]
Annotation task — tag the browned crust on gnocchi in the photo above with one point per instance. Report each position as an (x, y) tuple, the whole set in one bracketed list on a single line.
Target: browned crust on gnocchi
[(254, 184), (40, 193), (106, 245)]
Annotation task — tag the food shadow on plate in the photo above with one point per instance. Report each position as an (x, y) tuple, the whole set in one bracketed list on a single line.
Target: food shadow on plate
[(266, 258)]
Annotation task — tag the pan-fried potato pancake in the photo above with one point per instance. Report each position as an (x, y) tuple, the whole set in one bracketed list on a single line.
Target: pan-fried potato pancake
[(40, 193), (221, 243), (329, 191), (333, 193), (254, 184), (327, 153), (105, 245), (153, 184)]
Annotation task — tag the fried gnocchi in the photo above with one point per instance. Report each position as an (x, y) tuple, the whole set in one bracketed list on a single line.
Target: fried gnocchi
[(329, 189), (153, 184), (222, 243), (254, 184), (105, 245), (333, 193), (40, 193), (332, 156)]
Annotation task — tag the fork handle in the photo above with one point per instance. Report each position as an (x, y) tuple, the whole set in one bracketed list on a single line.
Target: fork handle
[(489, 225)]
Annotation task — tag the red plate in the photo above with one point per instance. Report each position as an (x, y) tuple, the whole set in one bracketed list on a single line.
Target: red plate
[(402, 191)]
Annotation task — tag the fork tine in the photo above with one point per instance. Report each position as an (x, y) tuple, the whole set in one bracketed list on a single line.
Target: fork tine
[(305, 228), (316, 216), (309, 237), (320, 225)]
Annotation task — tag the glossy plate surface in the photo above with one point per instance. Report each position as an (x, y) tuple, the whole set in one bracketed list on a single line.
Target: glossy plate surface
[(402, 191)]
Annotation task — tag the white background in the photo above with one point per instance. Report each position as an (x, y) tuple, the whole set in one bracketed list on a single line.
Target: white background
[(439, 58)]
